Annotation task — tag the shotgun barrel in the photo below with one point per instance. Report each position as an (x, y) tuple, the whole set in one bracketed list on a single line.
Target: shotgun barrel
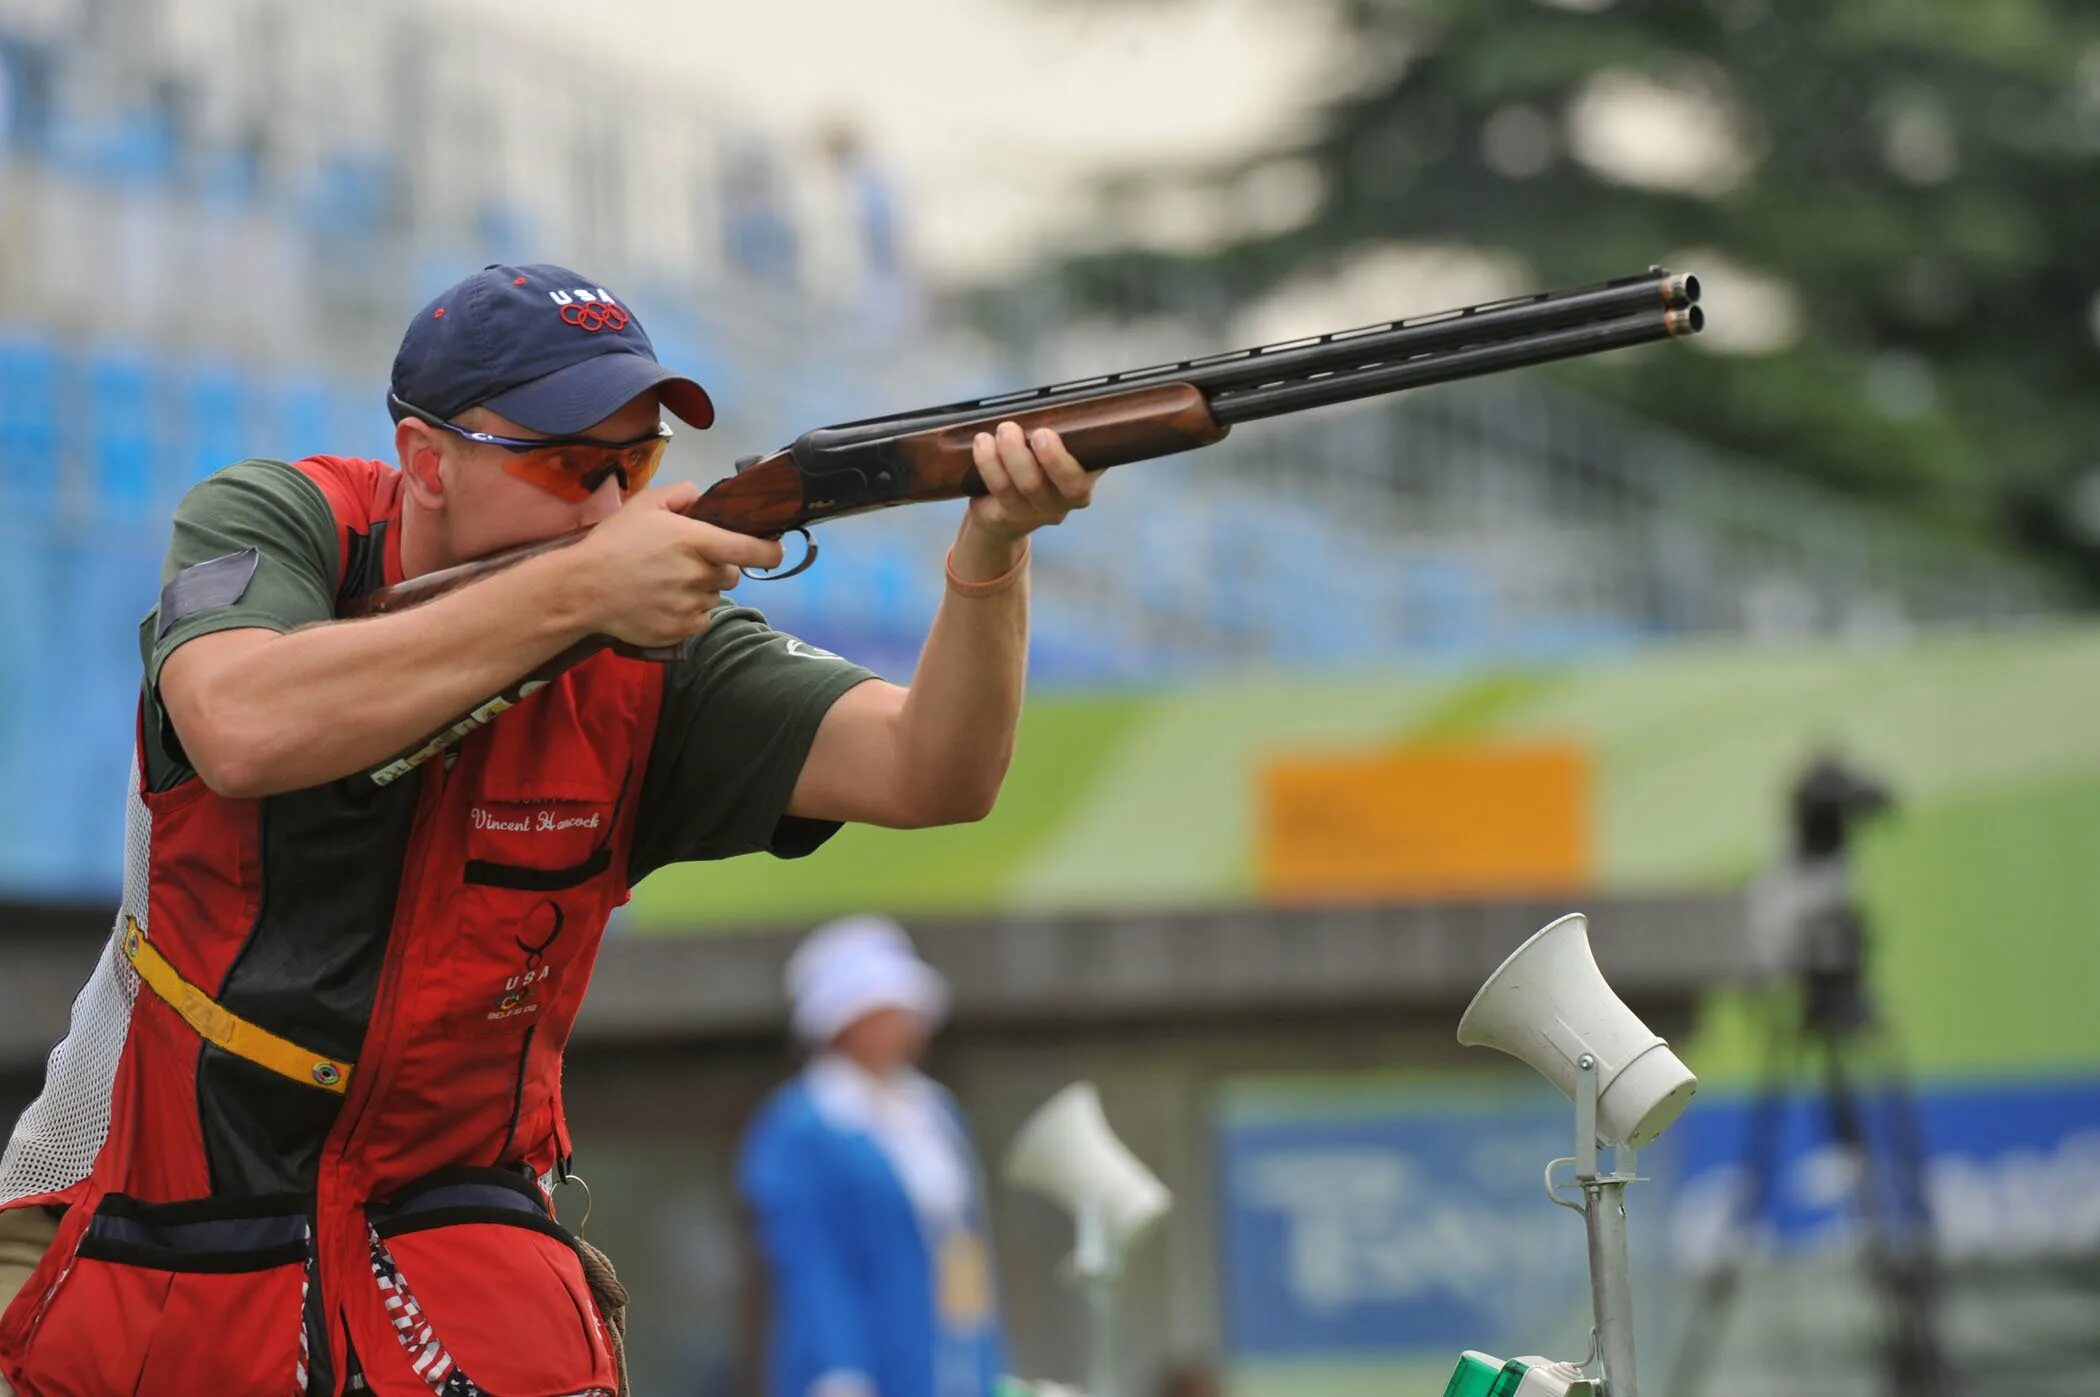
[(1338, 351), (1390, 375)]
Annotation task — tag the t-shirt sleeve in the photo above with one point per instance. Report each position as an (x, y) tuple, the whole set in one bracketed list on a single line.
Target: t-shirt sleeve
[(254, 546), (740, 710)]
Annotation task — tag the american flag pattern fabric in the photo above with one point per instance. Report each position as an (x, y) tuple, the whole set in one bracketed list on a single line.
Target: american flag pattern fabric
[(426, 1353), (306, 1287)]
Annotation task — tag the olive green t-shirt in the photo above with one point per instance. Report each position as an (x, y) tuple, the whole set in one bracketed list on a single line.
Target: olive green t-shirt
[(255, 545)]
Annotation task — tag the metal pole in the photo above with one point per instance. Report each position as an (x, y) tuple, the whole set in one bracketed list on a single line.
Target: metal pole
[(1611, 1291), (1095, 1262), (1101, 1348), (1604, 1216)]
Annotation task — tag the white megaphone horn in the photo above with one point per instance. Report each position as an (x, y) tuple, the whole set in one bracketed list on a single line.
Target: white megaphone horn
[(1549, 1004), (1066, 1152)]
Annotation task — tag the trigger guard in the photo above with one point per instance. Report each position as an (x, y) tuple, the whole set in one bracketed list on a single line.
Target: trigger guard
[(802, 564)]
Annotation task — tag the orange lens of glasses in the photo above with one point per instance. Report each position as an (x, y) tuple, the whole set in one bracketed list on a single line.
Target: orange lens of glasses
[(574, 472)]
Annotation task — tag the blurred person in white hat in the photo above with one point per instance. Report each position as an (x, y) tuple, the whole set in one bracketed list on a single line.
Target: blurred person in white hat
[(867, 1196)]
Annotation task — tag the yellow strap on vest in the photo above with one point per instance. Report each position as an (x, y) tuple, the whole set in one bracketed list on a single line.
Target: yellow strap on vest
[(225, 1028)]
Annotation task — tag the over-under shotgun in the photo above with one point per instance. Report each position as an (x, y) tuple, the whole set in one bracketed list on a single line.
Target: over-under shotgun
[(912, 457)]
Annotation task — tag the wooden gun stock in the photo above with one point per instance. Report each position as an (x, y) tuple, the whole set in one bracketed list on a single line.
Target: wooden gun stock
[(1137, 425)]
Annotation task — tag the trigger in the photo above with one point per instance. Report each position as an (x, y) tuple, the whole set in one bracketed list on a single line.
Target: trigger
[(802, 564)]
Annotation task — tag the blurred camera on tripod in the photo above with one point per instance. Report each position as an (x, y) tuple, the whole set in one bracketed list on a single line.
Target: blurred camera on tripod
[(1828, 800), (1805, 920)]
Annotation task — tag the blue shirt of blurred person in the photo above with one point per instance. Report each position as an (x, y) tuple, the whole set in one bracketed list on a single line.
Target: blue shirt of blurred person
[(865, 1192)]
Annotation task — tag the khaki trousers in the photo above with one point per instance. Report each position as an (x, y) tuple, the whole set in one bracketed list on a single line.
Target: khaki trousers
[(25, 1234)]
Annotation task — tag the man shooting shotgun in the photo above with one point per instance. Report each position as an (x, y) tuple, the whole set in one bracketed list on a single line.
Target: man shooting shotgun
[(305, 1128), (306, 1125)]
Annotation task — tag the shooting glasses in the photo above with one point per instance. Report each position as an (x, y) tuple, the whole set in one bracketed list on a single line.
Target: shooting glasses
[(571, 468)]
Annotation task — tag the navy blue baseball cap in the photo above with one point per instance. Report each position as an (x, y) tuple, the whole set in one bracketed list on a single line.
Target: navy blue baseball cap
[(549, 349)]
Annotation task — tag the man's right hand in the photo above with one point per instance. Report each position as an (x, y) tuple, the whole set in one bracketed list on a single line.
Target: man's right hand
[(652, 577)]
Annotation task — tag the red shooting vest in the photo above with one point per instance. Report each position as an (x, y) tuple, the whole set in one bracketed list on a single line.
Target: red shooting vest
[(240, 1231)]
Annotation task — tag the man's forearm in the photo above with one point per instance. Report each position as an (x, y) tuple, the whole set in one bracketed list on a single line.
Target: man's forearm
[(959, 716), (330, 700)]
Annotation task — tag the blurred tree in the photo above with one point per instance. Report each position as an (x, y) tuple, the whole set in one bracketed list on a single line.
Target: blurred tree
[(1894, 203)]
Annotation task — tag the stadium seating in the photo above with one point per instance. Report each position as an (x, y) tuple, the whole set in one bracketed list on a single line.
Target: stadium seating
[(123, 415), (226, 419), (29, 463), (136, 146)]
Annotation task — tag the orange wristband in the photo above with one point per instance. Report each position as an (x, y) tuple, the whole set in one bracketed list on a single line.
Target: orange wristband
[(986, 589)]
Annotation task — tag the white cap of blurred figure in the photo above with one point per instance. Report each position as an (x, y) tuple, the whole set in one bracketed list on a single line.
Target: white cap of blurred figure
[(853, 966)]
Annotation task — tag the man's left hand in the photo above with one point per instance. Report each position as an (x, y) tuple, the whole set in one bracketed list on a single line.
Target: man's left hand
[(1030, 481)]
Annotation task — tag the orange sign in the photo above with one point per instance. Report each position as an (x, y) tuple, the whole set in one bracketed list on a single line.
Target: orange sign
[(1458, 820)]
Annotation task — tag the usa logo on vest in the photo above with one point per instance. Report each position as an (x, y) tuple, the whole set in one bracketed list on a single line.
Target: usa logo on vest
[(590, 310), (518, 991)]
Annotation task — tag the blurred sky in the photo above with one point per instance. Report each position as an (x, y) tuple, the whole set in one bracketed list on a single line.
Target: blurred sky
[(995, 114)]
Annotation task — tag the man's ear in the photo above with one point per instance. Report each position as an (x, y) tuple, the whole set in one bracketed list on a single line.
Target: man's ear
[(415, 441)]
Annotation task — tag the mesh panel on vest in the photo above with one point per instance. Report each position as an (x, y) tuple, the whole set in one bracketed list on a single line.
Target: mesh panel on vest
[(56, 1141)]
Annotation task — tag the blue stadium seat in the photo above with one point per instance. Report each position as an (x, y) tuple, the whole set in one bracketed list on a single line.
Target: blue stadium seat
[(439, 267), (34, 689), (218, 422), (135, 146), (122, 412), (359, 424), (350, 192), (225, 176), (1242, 569), (112, 581), (1324, 603), (307, 419), (1447, 608), (29, 427), (835, 590), (505, 231), (1065, 647)]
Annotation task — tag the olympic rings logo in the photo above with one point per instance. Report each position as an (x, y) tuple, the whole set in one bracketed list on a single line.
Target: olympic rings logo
[(594, 316)]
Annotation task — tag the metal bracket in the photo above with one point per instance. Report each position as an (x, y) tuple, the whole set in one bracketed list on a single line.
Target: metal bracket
[(1586, 1118), (1625, 1161)]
